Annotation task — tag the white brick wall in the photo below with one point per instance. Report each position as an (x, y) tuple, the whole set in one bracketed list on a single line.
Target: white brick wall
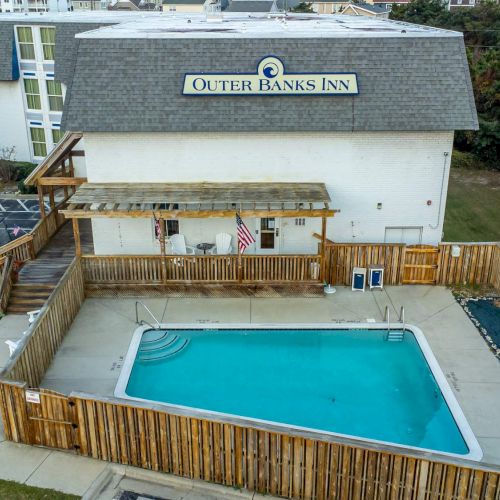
[(13, 131), (400, 170)]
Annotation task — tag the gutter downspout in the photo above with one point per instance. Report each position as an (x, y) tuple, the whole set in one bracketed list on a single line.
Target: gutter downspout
[(441, 194)]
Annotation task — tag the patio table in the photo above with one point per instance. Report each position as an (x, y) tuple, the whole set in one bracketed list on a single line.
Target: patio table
[(205, 247)]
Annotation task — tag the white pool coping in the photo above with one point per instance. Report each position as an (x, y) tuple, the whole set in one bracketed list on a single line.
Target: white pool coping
[(475, 452)]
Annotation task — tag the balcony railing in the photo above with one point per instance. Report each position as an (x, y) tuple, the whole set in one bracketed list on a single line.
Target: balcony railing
[(155, 269)]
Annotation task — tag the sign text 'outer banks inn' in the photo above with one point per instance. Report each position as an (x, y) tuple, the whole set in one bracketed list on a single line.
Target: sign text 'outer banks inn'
[(271, 79)]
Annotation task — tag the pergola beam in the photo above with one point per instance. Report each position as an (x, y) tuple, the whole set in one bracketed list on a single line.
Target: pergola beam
[(87, 213), (61, 181)]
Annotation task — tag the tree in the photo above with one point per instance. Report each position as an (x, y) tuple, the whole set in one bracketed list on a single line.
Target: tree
[(303, 7), (481, 29)]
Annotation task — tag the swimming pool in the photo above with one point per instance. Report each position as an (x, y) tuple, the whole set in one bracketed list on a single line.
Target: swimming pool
[(346, 380)]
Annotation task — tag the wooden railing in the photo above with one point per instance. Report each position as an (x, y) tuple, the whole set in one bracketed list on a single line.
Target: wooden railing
[(27, 246), (6, 282), (150, 270), (21, 249), (39, 345), (46, 228), (281, 268)]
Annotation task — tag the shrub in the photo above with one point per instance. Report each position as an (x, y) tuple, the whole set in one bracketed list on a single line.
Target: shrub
[(463, 159)]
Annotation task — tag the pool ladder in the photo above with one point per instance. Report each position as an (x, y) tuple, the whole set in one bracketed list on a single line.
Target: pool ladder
[(395, 335), (143, 321)]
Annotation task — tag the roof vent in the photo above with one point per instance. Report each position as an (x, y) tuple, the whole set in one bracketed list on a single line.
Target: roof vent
[(213, 11)]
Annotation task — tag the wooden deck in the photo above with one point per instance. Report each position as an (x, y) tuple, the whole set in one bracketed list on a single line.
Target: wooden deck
[(38, 277), (53, 260)]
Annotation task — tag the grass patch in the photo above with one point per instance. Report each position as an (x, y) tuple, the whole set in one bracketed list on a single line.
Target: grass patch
[(473, 206), (17, 491)]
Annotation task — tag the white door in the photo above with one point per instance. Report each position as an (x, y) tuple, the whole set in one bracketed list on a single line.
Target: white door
[(267, 235)]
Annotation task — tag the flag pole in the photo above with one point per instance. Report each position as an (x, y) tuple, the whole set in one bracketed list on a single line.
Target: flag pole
[(240, 261)]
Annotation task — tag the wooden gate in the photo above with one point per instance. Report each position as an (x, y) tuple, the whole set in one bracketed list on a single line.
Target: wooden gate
[(421, 265), (52, 419)]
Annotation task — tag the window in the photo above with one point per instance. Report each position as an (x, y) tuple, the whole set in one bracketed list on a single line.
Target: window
[(38, 140), (26, 45), (48, 36), (56, 135), (172, 227), (32, 91), (54, 91)]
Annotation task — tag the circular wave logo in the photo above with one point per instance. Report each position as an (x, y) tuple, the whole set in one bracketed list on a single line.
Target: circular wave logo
[(270, 70), (270, 67)]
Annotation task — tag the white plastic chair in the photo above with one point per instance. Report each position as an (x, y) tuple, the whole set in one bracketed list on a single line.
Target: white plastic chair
[(14, 344), (32, 315), (179, 247), (222, 244)]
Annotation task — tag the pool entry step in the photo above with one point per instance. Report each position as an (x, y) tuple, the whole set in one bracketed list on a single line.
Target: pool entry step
[(160, 344), (395, 335)]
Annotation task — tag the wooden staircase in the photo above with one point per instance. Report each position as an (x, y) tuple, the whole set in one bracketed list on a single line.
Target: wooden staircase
[(26, 297)]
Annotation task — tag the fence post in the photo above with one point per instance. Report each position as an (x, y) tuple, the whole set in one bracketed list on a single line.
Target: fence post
[(31, 249)]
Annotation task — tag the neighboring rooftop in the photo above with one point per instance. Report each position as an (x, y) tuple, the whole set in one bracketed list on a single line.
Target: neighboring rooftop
[(375, 9), (249, 6), (258, 25), (80, 16)]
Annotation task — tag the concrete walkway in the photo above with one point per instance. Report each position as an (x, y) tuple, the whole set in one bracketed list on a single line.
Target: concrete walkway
[(471, 369)]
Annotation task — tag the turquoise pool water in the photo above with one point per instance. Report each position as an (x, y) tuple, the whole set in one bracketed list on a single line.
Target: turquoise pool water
[(351, 382)]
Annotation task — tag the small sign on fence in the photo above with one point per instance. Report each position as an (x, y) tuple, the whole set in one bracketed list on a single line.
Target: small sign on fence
[(33, 397)]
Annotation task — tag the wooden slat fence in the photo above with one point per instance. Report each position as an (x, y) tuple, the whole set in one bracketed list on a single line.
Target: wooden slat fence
[(263, 459), (45, 335), (341, 259), (495, 269), (477, 264), (48, 423)]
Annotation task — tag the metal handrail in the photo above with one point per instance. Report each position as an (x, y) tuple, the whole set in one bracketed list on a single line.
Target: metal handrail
[(387, 318), (137, 302), (402, 317)]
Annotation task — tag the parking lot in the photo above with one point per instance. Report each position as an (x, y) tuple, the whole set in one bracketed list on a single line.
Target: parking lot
[(17, 212)]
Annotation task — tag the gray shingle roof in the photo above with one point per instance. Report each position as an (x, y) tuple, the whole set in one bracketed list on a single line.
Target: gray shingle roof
[(405, 84), (65, 50)]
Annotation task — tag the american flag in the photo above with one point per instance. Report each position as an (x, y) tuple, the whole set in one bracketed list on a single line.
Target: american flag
[(157, 229), (245, 238)]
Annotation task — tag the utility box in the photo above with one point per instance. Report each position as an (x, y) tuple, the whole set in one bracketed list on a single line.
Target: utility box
[(358, 279), (376, 276)]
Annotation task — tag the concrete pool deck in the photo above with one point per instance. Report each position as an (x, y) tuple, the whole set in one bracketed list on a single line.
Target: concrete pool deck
[(92, 353)]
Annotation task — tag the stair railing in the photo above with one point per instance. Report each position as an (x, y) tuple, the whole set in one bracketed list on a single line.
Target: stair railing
[(142, 320), (6, 282)]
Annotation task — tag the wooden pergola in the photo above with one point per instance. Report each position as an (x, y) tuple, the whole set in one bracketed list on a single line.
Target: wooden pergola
[(198, 200), (56, 171)]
